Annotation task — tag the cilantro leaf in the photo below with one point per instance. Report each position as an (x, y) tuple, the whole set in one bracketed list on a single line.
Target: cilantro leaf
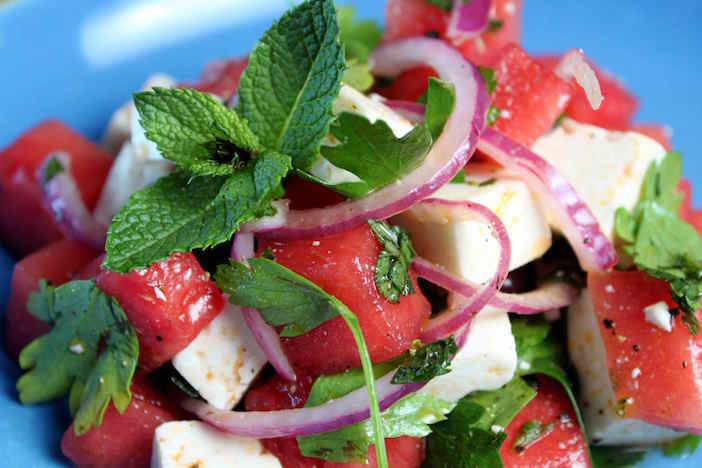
[(359, 38), (662, 244), (685, 445), (441, 99), (187, 125), (90, 353), (616, 457), (372, 152), (426, 362), (287, 299), (181, 213), (530, 432), (392, 268), (466, 439), (410, 416), (294, 75)]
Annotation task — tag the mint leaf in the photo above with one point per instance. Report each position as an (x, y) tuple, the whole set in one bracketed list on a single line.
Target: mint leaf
[(616, 457), (358, 75), (294, 75), (488, 75), (426, 362), (530, 432), (180, 213), (392, 268), (287, 299), (441, 99), (188, 127), (410, 416), (466, 439), (662, 244), (372, 152), (90, 353), (683, 446)]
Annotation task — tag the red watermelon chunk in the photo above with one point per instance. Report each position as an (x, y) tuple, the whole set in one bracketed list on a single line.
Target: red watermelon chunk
[(25, 225), (529, 96), (221, 77), (123, 440), (666, 389), (408, 85), (411, 18), (343, 265), (276, 394), (57, 263), (168, 304), (563, 446)]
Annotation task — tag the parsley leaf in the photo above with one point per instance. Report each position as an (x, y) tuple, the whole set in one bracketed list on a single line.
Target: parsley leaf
[(359, 38), (287, 299), (685, 445), (187, 125), (294, 75), (616, 457), (392, 268), (410, 416), (662, 244), (466, 439), (372, 152), (530, 432), (426, 362), (441, 99), (181, 213), (90, 353)]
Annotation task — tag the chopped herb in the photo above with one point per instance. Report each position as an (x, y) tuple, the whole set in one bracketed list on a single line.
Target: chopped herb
[(683, 446), (392, 268), (52, 168), (459, 178), (530, 432), (441, 99), (495, 25), (426, 362), (616, 457), (492, 115), (446, 5), (488, 75), (482, 183)]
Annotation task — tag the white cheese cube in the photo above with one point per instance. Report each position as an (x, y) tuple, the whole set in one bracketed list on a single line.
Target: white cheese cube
[(659, 315), (487, 361), (468, 248), (605, 167), (186, 444), (223, 360), (587, 351)]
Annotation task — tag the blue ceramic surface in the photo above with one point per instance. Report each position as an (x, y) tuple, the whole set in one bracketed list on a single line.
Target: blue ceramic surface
[(79, 60)]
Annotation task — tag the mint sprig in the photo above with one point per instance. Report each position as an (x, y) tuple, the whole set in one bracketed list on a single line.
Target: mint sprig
[(426, 362), (90, 353), (294, 75), (392, 278)]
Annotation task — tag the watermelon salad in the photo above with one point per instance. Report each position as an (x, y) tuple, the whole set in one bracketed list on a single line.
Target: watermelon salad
[(415, 245)]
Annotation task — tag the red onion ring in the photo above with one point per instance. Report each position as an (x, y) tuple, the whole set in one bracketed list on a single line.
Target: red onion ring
[(265, 335), (268, 223), (574, 65), (61, 197), (572, 215), (548, 297), (448, 155), (468, 20), (473, 297)]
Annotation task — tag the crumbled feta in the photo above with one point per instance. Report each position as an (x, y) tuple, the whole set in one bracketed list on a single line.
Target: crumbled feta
[(76, 348), (635, 373), (659, 315)]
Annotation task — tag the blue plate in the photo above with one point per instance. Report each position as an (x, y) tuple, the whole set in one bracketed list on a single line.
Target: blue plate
[(81, 59)]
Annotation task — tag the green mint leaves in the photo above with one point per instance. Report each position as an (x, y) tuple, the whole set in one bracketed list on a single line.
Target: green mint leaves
[(441, 99), (410, 416), (446, 5), (373, 153), (662, 244), (488, 75), (683, 446), (392, 268), (359, 38), (468, 438), (294, 75), (181, 212), (426, 362), (616, 457), (287, 299), (530, 432), (90, 353), (188, 126)]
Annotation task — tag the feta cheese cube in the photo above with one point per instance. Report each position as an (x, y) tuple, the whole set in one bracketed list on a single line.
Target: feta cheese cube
[(185, 444), (606, 167), (468, 248), (659, 315), (487, 361), (223, 360), (587, 351)]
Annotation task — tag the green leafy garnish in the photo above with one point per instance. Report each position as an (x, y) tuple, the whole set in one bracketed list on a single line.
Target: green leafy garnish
[(359, 38), (495, 25), (615, 457), (446, 5), (287, 299), (683, 446), (488, 75), (52, 168), (662, 244), (358, 75), (90, 353), (373, 153), (426, 362), (189, 126), (530, 432), (294, 75), (441, 99), (392, 268), (410, 416), (180, 212), (493, 114), (472, 434)]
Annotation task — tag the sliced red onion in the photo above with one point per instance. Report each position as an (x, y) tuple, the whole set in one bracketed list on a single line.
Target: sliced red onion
[(473, 296), (60, 195), (266, 336), (548, 297), (412, 111), (571, 214), (468, 20), (448, 155), (335, 414), (574, 65)]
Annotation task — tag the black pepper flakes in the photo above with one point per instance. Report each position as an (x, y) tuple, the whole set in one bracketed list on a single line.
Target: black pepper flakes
[(637, 348), (608, 323), (684, 364)]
